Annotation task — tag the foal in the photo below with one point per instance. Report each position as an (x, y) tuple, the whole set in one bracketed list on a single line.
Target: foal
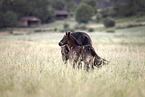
[(65, 53), (78, 53)]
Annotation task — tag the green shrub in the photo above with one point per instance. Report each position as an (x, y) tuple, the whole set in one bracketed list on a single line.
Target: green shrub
[(83, 13), (108, 12), (110, 31), (55, 29), (66, 25), (109, 22), (134, 25), (11, 32), (41, 30), (130, 26), (72, 30), (10, 19), (38, 30), (83, 27), (90, 30), (76, 27), (80, 27), (98, 17)]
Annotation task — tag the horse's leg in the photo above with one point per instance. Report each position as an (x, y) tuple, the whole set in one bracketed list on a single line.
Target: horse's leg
[(65, 61), (66, 58), (87, 66), (74, 64), (63, 57), (65, 54), (83, 65), (79, 63), (92, 63)]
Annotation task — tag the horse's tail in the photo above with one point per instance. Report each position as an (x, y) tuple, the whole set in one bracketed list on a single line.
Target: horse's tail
[(94, 54), (98, 61)]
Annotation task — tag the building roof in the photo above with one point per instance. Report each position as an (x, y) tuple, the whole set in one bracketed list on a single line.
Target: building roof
[(30, 18), (63, 12)]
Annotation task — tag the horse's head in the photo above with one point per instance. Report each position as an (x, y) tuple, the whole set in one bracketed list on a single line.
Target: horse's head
[(65, 38)]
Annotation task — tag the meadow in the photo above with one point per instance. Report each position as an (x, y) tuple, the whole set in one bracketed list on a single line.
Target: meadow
[(31, 66)]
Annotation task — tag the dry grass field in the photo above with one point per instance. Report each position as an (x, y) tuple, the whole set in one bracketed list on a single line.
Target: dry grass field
[(31, 66)]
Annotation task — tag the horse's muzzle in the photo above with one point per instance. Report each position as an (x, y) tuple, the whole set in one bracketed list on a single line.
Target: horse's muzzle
[(60, 44)]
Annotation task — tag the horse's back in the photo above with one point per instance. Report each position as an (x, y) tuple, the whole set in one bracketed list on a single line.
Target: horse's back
[(82, 38)]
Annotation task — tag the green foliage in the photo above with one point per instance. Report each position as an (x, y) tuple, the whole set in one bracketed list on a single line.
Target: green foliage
[(108, 12), (9, 19), (40, 30), (83, 13), (109, 22), (59, 5), (55, 29), (81, 27), (12, 10), (66, 25), (11, 32), (46, 15), (129, 8), (130, 26), (70, 6), (110, 31), (98, 17), (90, 30), (92, 3)]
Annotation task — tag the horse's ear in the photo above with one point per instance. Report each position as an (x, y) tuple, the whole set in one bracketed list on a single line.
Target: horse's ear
[(69, 34), (66, 33)]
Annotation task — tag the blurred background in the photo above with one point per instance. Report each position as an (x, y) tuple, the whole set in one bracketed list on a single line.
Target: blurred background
[(34, 16)]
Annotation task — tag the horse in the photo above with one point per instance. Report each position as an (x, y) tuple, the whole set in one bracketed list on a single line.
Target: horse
[(82, 39), (84, 53)]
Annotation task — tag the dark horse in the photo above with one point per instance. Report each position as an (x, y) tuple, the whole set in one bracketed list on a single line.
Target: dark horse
[(84, 53), (82, 39)]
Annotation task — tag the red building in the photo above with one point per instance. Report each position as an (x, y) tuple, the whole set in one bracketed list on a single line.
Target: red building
[(61, 14), (29, 22)]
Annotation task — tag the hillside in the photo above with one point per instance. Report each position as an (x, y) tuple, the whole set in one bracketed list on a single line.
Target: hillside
[(101, 3)]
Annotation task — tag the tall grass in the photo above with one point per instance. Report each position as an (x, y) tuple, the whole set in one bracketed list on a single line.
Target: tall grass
[(31, 66)]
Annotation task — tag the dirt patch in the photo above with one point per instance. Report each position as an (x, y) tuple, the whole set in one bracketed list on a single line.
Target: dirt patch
[(19, 32), (13, 32), (4, 33)]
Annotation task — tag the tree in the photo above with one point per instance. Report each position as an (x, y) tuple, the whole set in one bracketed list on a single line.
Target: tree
[(83, 13), (109, 22), (129, 7), (98, 17), (22, 8), (92, 3), (10, 19), (70, 6), (59, 5)]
